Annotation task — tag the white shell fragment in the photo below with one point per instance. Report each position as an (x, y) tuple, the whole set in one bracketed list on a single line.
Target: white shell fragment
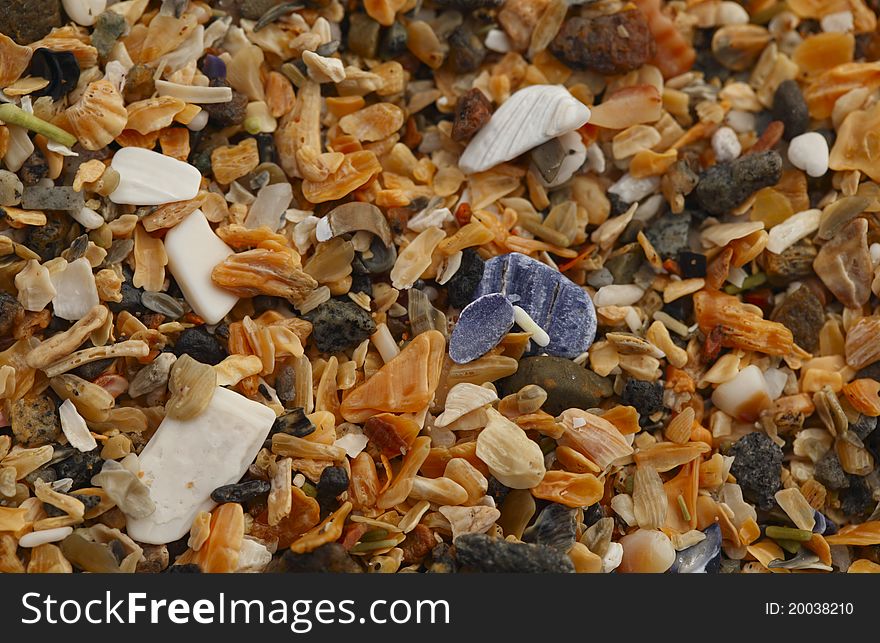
[(809, 152), (462, 399), (193, 250), (36, 538), (75, 429), (186, 460), (793, 229), (150, 178), (269, 207), (529, 325), (745, 396), (528, 118), (252, 557), (34, 285), (75, 291), (84, 12), (194, 93)]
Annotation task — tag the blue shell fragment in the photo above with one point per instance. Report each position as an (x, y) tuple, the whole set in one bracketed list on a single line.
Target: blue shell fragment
[(558, 305), (482, 324), (702, 557)]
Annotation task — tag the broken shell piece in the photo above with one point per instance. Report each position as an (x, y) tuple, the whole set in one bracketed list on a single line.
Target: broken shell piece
[(470, 520), (415, 258), (529, 118), (34, 284), (84, 12), (745, 396), (186, 460), (792, 230), (193, 250), (150, 178), (351, 217), (74, 428), (125, 489), (462, 399), (269, 207), (75, 290), (514, 459), (574, 154)]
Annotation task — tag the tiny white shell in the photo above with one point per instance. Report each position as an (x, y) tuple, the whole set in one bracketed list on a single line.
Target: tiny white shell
[(462, 399), (528, 118)]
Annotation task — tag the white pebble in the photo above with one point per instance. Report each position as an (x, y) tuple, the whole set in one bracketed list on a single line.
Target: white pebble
[(725, 144), (193, 250), (745, 396), (809, 152), (150, 178), (198, 122), (839, 22), (630, 189), (613, 557), (875, 253), (46, 536), (429, 218), (740, 121), (595, 159), (353, 443), (793, 229), (87, 218), (618, 295), (776, 381), (497, 41), (529, 325)]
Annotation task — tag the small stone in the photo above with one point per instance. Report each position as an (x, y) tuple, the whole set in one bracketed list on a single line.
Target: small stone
[(382, 257), (561, 308), (393, 41), (795, 262), (156, 559), (623, 267), (442, 560), (809, 152), (34, 421), (646, 397), (829, 472), (10, 188), (864, 426), (482, 553), (109, 26), (152, 376), (555, 527), (691, 264), (293, 422), (34, 168), (669, 233), (463, 284), (857, 498), (418, 544), (11, 313), (333, 481), (567, 384), (726, 145), (139, 84), (482, 325), (844, 264), (80, 467), (757, 468), (609, 44), (38, 197), (164, 304), (804, 315), (724, 186), (472, 111), (466, 50), (201, 345), (339, 325), (75, 290), (363, 35), (790, 107), (254, 9), (240, 492), (326, 559), (26, 21), (701, 558)]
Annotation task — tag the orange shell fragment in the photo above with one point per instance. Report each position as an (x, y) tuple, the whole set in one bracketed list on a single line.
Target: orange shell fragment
[(857, 146)]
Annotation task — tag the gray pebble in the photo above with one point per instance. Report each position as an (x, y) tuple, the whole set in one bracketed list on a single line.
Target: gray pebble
[(37, 197), (482, 553), (725, 186), (669, 233)]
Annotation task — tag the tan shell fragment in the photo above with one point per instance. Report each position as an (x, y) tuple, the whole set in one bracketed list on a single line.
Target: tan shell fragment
[(863, 343), (514, 459), (192, 385), (373, 123), (99, 116), (270, 269), (152, 114), (857, 146), (14, 59), (844, 264), (415, 258), (462, 399)]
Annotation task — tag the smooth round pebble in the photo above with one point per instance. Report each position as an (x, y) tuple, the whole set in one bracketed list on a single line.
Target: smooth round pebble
[(725, 144), (809, 152), (646, 551)]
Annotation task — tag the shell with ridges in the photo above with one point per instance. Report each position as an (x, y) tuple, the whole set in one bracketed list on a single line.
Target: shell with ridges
[(99, 116)]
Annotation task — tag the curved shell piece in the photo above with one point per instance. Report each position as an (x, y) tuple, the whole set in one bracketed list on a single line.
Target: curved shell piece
[(351, 217), (98, 116), (462, 399), (528, 118), (14, 59)]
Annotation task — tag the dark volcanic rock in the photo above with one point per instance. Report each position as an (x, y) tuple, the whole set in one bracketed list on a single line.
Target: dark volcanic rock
[(484, 554)]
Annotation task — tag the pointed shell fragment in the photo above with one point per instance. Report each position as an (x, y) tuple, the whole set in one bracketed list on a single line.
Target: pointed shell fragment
[(529, 118)]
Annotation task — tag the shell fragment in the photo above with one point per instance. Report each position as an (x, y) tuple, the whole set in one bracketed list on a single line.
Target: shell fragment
[(150, 178), (186, 460)]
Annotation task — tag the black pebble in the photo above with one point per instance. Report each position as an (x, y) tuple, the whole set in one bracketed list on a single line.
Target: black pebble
[(864, 426), (497, 490), (618, 205), (484, 554), (790, 107), (646, 397), (442, 560), (393, 41), (555, 527), (829, 472), (593, 514), (199, 344), (34, 168), (240, 492), (466, 51), (340, 325), (11, 313), (333, 481), (80, 467), (92, 370), (464, 282), (857, 499), (725, 186), (266, 147), (229, 113), (131, 299), (294, 422), (757, 468), (328, 559), (49, 239)]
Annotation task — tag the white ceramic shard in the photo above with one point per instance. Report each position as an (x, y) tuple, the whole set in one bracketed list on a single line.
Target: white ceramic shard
[(193, 250), (150, 178), (186, 460), (75, 291), (529, 118)]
